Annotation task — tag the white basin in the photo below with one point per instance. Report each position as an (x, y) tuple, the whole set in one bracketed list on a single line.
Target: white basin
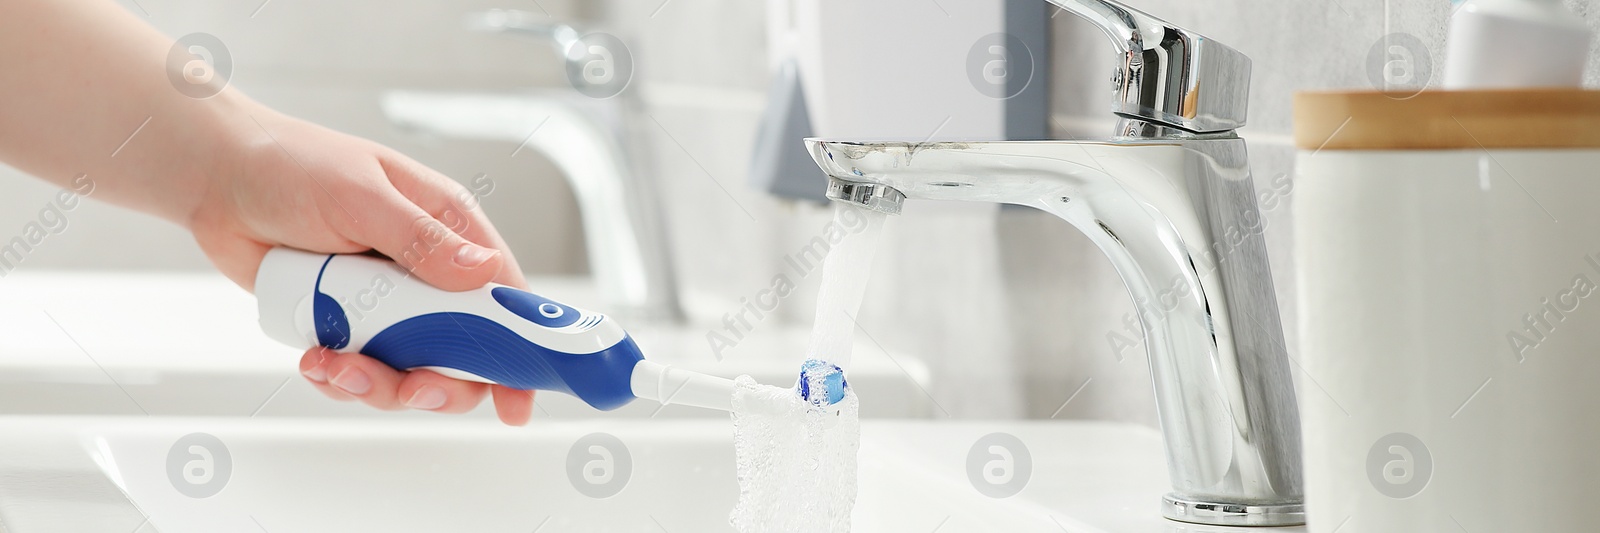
[(188, 344), (110, 473)]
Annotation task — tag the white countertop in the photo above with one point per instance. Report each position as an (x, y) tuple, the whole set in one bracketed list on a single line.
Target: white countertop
[(462, 475)]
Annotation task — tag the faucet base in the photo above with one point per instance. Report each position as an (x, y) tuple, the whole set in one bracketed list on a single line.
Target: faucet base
[(1174, 507)]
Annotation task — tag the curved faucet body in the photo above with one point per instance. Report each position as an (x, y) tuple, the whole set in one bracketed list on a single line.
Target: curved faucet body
[(1171, 204), (1178, 220)]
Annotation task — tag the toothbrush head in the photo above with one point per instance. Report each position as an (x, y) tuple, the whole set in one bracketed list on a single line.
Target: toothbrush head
[(821, 383)]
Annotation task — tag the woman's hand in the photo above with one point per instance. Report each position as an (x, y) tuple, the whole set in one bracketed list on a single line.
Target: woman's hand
[(300, 185), (242, 177)]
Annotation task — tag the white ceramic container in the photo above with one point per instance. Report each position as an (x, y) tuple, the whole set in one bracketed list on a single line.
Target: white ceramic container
[(1449, 315)]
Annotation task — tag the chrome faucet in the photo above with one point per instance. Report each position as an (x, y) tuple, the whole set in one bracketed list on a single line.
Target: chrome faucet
[(559, 34), (621, 212), (1170, 201)]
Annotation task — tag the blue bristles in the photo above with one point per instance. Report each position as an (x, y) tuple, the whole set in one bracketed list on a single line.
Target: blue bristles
[(827, 377)]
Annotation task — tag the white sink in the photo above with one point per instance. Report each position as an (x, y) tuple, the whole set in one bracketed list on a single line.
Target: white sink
[(111, 473), (188, 344)]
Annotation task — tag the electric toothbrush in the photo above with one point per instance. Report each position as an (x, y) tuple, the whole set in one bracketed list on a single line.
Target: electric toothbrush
[(493, 334)]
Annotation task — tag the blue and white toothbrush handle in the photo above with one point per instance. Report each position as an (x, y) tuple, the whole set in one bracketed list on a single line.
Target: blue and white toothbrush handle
[(493, 334)]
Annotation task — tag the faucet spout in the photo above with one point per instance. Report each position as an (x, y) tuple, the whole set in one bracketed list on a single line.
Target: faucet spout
[(1177, 218), (874, 196)]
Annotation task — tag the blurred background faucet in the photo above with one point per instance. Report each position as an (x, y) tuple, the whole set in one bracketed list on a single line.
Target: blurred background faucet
[(1169, 200), (585, 137), (558, 34)]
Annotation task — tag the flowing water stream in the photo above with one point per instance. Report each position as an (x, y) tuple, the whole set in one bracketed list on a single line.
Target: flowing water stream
[(797, 462)]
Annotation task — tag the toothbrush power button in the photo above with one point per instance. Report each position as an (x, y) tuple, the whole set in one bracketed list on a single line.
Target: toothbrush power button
[(535, 308)]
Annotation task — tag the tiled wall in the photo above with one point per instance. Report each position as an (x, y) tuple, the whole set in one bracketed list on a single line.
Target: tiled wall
[(1015, 311)]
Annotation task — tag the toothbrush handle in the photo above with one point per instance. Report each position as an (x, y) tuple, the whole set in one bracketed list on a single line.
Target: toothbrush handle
[(494, 334)]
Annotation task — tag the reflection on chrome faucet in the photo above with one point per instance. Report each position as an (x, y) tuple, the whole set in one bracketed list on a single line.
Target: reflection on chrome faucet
[(1171, 203)]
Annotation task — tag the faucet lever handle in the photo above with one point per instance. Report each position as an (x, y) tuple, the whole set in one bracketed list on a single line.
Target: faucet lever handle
[(1169, 75)]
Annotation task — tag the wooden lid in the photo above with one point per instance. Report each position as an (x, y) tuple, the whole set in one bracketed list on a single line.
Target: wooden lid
[(1447, 120)]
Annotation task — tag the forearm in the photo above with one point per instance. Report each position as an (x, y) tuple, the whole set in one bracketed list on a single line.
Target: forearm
[(78, 78)]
